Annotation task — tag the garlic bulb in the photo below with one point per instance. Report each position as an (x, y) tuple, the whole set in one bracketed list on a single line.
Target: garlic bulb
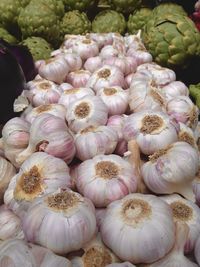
[(197, 250), (70, 40), (138, 228), (43, 92), (7, 171), (54, 109), (99, 212), (144, 94), (15, 138), (187, 135), (16, 253), (73, 60), (87, 111), (10, 225), (70, 95), (108, 51), (39, 175), (185, 211), (152, 130), (196, 188), (106, 76), (128, 79), (175, 89), (95, 254), (78, 78), (140, 56), (49, 134), (183, 110), (93, 63), (115, 98), (176, 257), (46, 258), (54, 69), (68, 214), (106, 178), (85, 48), (65, 86), (134, 41), (102, 39), (164, 174), (92, 141), (161, 76)]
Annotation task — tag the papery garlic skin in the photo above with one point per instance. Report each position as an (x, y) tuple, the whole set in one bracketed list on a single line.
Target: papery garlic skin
[(99, 212), (122, 264), (70, 40), (185, 211), (54, 109), (78, 78), (15, 252), (164, 174), (128, 79), (186, 134), (39, 175), (174, 89), (106, 178), (108, 51), (102, 39), (106, 76), (140, 56), (65, 221), (15, 138), (43, 92), (49, 134), (65, 86), (10, 224), (197, 250), (54, 69), (93, 63), (152, 130), (73, 60), (85, 48), (93, 141), (87, 111), (183, 110), (138, 228), (115, 98)]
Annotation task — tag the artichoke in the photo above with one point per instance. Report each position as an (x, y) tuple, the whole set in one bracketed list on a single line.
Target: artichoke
[(75, 22), (125, 6), (38, 19), (39, 48), (81, 5), (109, 21), (169, 8), (194, 90), (56, 6), (172, 39), (6, 36), (138, 19)]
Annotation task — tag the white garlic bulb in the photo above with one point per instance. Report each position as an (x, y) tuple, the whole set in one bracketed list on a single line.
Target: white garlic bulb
[(87, 111), (186, 134), (122, 264), (174, 89), (141, 56), (102, 39), (115, 98), (152, 130), (185, 211), (78, 78), (138, 228), (62, 221), (73, 60), (108, 51), (197, 250), (93, 63), (172, 170), (39, 175), (92, 141), (106, 178), (85, 48)]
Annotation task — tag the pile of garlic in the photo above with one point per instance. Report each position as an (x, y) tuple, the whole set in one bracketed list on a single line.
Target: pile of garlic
[(101, 168)]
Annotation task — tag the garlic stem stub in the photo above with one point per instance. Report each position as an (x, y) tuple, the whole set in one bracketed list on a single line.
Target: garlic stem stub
[(106, 178), (152, 130), (132, 230), (62, 221)]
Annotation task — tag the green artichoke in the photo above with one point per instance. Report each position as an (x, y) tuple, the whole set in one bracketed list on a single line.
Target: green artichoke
[(38, 19), (39, 48), (138, 19), (194, 90), (168, 8), (172, 39), (109, 21), (125, 6), (75, 22), (5, 35), (56, 6), (81, 5)]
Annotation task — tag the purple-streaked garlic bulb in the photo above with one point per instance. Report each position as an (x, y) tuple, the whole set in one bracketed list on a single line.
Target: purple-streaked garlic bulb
[(138, 228), (99, 212), (92, 141), (152, 130), (73, 60), (87, 111), (172, 170), (185, 211), (62, 221), (78, 78), (197, 250), (85, 48), (42, 91), (106, 178), (71, 95), (174, 89), (93, 63), (106, 76), (140, 56), (49, 134), (39, 175), (108, 51), (101, 39)]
